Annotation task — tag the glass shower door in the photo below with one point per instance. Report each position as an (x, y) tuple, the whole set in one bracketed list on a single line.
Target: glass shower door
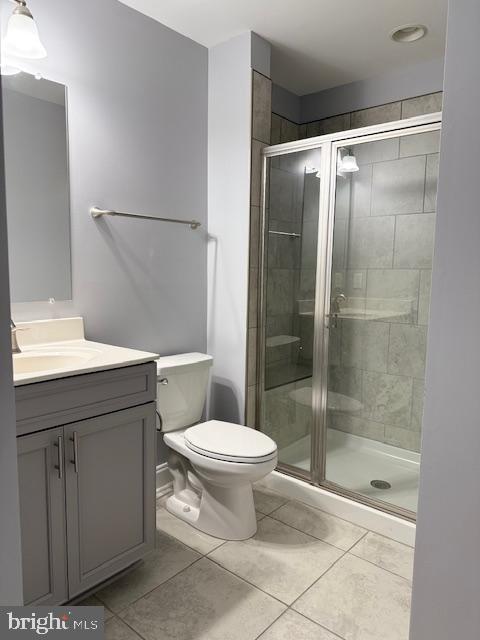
[(292, 203), (378, 297)]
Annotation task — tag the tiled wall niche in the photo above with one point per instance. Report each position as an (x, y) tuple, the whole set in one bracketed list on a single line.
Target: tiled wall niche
[(391, 390)]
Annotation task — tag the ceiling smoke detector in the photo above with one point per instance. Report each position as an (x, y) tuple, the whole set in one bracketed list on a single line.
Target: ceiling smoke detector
[(409, 33)]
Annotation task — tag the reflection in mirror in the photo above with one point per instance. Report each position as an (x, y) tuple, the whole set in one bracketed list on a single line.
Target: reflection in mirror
[(37, 188)]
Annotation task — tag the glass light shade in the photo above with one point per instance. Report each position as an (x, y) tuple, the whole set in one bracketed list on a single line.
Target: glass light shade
[(22, 39), (7, 69), (348, 164)]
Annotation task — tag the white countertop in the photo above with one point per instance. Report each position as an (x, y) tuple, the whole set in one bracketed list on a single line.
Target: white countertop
[(53, 349)]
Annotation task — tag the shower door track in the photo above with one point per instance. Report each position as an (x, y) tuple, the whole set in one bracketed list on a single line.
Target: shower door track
[(329, 144)]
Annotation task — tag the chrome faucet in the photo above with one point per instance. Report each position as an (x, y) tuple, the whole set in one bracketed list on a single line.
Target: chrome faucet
[(14, 329)]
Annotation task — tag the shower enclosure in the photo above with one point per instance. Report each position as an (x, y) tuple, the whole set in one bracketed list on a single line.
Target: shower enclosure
[(348, 228)]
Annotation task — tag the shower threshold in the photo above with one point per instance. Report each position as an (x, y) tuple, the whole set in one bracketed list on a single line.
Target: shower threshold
[(354, 462)]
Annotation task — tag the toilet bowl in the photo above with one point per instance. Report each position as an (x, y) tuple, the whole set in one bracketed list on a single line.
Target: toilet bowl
[(213, 464)]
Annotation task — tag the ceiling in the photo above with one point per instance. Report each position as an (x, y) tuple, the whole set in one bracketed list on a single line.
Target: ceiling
[(317, 44)]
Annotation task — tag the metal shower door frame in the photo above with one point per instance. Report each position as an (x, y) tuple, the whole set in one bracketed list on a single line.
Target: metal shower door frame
[(329, 145)]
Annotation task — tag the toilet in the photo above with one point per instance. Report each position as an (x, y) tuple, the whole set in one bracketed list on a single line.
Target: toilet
[(213, 464)]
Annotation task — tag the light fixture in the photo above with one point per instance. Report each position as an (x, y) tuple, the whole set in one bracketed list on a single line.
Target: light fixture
[(22, 39), (346, 163), (409, 33)]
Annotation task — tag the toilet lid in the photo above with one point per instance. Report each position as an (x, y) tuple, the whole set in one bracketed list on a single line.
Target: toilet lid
[(230, 442)]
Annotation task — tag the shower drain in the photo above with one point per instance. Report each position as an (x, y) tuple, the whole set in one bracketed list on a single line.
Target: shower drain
[(381, 484)]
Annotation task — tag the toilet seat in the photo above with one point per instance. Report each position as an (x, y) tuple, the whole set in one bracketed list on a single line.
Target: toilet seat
[(230, 442)]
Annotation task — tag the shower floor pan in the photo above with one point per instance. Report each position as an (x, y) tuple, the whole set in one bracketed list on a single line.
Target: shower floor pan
[(354, 462)]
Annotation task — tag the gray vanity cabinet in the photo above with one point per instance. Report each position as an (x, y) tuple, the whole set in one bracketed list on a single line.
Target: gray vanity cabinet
[(109, 503), (42, 512), (87, 485)]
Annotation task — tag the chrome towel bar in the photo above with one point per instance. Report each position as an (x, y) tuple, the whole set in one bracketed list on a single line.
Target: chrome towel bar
[(96, 212)]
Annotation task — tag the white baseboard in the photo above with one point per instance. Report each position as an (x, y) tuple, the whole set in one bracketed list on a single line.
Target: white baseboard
[(164, 480), (364, 516)]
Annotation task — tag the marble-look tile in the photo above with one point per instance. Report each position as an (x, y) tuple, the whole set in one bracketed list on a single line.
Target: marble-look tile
[(278, 559), (376, 115), (420, 144), (394, 290), (387, 398), (357, 426), (302, 131), (379, 151), (308, 244), (361, 184), (339, 245), (256, 169), (284, 252), (414, 236), (371, 242), (403, 438), (93, 601), (319, 524), (430, 103), (417, 404), (407, 350), (267, 500), (290, 131), (386, 553), (116, 629), (205, 602), (251, 406), (431, 183), (262, 107), (311, 197), (343, 191), (365, 345), (184, 532), (255, 215), (252, 357), (359, 601), (334, 124), (280, 290), (276, 130), (253, 298), (168, 558), (398, 186), (291, 625), (313, 129), (346, 380), (282, 188)]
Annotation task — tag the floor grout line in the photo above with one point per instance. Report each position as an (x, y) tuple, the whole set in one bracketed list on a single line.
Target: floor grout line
[(317, 623), (118, 613)]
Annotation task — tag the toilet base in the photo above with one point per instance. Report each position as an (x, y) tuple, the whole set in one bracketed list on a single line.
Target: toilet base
[(223, 512)]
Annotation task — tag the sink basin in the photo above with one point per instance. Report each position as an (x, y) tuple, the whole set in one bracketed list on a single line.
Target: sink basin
[(48, 361)]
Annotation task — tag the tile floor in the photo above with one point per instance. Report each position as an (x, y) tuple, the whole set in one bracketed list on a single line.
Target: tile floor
[(305, 575)]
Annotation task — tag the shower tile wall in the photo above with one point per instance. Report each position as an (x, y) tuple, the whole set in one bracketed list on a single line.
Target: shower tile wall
[(261, 126), (375, 362)]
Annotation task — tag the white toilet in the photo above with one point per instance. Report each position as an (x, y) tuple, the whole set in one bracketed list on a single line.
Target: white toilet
[(213, 464)]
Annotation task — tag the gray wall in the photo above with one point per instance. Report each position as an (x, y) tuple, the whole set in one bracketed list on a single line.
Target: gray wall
[(38, 197), (412, 81), (10, 559), (137, 110), (229, 117), (446, 583), (138, 142)]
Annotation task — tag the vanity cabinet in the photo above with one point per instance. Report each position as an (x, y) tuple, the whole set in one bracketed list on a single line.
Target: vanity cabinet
[(42, 514), (87, 488)]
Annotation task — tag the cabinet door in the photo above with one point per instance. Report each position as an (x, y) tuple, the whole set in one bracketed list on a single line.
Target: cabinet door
[(42, 517), (110, 486)]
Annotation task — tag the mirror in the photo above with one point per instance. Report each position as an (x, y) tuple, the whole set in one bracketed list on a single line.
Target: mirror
[(37, 188)]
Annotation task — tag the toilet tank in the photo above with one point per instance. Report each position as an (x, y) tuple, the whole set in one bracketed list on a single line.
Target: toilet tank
[(182, 389)]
